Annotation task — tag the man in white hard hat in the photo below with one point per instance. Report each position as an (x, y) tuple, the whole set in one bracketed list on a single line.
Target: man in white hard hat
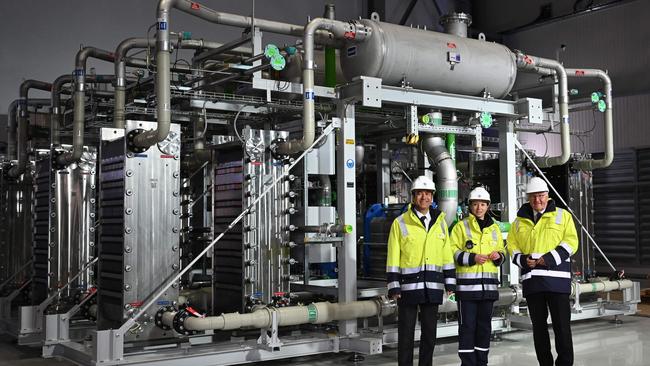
[(541, 241), (478, 251), (419, 267)]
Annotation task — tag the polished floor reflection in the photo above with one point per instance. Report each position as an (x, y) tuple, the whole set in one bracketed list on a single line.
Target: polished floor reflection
[(597, 342)]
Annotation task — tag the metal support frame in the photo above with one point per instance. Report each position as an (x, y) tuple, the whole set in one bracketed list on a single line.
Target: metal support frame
[(508, 185), (347, 207)]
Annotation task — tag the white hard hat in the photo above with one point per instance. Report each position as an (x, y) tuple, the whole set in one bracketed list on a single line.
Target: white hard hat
[(536, 184), (479, 194), (423, 182)]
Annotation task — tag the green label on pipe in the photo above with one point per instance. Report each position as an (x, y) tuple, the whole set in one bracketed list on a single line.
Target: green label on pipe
[(312, 313), (330, 67), (447, 193)]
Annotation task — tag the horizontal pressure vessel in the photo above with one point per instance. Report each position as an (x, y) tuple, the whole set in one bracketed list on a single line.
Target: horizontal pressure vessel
[(430, 60)]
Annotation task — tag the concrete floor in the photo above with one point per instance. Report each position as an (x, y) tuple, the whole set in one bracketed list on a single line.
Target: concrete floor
[(597, 342)]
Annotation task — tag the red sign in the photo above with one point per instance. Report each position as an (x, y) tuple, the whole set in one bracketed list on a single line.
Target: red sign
[(195, 6), (451, 45)]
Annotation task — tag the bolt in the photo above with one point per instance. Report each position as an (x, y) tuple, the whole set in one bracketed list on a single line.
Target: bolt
[(128, 211), (175, 193), (175, 266), (92, 229), (128, 249), (92, 244), (175, 211), (53, 200), (174, 229), (129, 155), (53, 214), (129, 192), (174, 248), (174, 285), (52, 244), (129, 173), (92, 215), (127, 268), (127, 287)]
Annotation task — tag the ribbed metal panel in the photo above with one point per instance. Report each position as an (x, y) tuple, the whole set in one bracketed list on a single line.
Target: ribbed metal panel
[(615, 216), (643, 172)]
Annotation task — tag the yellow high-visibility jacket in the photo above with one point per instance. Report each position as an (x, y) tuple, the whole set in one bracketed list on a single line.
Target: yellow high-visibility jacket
[(476, 281), (554, 238), (420, 263)]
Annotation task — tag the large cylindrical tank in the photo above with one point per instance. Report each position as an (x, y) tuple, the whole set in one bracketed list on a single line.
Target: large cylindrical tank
[(430, 60)]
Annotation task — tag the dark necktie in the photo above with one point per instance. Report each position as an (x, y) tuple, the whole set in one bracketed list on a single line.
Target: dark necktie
[(423, 219), (538, 216)]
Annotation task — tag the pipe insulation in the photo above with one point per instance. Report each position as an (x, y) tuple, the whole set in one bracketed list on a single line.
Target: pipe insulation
[(23, 114), (315, 313), (601, 286), (607, 159), (535, 64), (446, 178)]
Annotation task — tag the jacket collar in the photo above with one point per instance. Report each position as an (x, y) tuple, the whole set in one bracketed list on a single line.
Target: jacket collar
[(526, 211), (474, 221), (434, 212)]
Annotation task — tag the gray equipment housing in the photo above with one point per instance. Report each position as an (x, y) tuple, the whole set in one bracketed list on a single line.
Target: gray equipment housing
[(64, 224), (139, 230), (430, 60)]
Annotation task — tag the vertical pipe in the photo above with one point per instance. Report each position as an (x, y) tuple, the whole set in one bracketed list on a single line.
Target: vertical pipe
[(21, 147), (11, 130), (609, 129), (450, 141), (79, 98), (330, 53), (446, 180), (534, 63)]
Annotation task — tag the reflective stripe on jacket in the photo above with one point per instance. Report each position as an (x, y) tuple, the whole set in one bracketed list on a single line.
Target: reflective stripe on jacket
[(554, 238), (419, 264), (476, 281)]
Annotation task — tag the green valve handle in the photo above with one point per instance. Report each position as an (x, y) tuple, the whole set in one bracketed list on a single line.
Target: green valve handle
[(486, 120), (271, 50), (595, 97), (186, 35), (602, 105), (278, 62), (347, 229), (425, 119)]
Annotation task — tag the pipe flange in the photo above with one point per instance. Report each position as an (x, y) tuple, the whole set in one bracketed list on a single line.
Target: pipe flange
[(179, 322), (55, 158), (130, 141), (159, 317), (274, 148)]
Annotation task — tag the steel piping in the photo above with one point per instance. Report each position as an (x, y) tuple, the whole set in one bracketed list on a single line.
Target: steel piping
[(79, 102), (121, 62), (609, 129), (21, 148), (339, 30), (537, 64), (446, 177)]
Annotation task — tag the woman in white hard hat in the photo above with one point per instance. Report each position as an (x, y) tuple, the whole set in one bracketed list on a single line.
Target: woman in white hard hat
[(419, 268), (479, 251)]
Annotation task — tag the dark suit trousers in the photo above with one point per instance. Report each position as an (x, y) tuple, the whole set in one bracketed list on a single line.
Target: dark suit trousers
[(539, 305), (407, 316)]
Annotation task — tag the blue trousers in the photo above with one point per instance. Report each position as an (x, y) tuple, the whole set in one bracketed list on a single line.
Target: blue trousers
[(474, 329)]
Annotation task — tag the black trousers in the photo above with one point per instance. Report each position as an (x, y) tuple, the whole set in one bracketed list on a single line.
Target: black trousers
[(407, 316), (474, 329), (539, 305)]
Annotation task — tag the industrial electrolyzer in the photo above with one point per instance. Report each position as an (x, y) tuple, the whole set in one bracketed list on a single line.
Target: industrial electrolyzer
[(220, 203)]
